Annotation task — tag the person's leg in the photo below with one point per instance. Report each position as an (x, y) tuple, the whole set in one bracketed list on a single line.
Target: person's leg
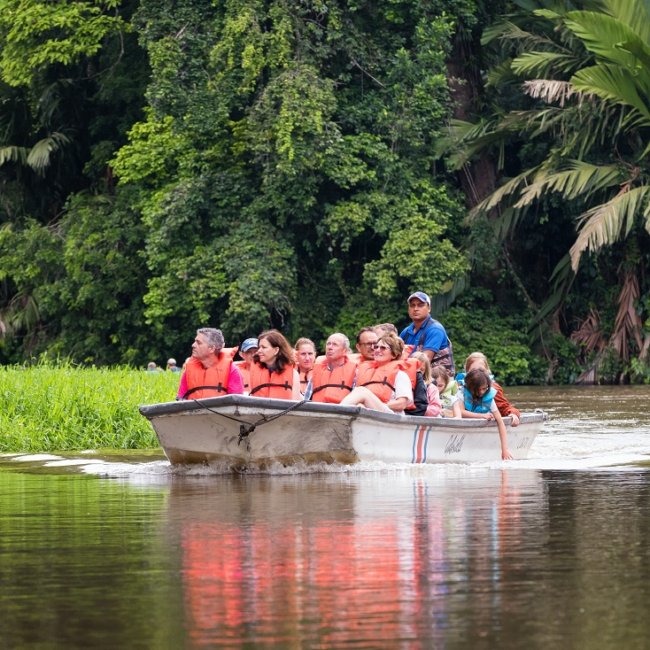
[(362, 396)]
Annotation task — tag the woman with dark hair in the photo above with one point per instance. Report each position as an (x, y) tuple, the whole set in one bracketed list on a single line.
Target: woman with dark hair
[(382, 384), (273, 373)]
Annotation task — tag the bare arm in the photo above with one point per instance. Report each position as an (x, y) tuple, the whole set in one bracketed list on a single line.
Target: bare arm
[(471, 414), (503, 436), (398, 404)]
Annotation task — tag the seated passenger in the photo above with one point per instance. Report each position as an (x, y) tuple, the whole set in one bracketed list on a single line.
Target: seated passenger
[(273, 373), (477, 401), (366, 338), (479, 360), (448, 391), (305, 355), (247, 351), (434, 405), (209, 372), (381, 384), (334, 374)]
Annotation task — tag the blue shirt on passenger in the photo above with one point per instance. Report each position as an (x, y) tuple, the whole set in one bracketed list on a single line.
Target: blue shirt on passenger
[(435, 337)]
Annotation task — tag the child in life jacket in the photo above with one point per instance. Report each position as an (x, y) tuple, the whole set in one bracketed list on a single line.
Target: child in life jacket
[(434, 409), (448, 390), (479, 360), (477, 401)]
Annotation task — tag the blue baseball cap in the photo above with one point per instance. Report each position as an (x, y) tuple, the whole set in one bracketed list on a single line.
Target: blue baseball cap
[(249, 344), (420, 295)]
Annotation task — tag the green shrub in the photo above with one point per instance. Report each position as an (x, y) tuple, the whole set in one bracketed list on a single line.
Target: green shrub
[(47, 408)]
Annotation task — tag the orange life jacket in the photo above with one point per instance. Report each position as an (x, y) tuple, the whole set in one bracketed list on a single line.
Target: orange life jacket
[(380, 380), (205, 382), (277, 385), (410, 367), (244, 370), (333, 385)]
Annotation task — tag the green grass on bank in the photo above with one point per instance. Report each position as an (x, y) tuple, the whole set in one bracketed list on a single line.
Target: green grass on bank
[(44, 408)]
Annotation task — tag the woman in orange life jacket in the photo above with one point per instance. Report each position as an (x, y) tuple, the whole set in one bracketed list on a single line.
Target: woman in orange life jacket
[(273, 373), (305, 355), (382, 385)]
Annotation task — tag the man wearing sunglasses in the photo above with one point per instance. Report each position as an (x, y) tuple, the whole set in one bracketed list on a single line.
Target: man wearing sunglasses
[(425, 334)]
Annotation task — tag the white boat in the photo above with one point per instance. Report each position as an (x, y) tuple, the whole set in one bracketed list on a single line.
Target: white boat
[(245, 432)]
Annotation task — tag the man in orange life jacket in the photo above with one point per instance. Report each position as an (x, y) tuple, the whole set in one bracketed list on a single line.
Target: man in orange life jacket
[(426, 334), (209, 372), (333, 375)]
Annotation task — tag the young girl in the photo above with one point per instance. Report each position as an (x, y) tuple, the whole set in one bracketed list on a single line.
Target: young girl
[(433, 397), (478, 402), (448, 391), (479, 360)]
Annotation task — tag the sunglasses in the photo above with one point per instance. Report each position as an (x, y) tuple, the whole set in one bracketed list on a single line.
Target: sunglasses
[(380, 347)]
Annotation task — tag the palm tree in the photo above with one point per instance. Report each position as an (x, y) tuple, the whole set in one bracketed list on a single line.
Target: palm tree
[(586, 80)]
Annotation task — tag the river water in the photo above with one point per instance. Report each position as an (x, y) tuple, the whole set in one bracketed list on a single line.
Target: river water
[(119, 551)]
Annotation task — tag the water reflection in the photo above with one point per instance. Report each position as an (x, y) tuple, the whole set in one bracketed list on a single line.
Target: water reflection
[(364, 562)]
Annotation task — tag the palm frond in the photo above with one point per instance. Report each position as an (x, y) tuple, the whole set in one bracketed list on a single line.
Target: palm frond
[(604, 224), (500, 74), (13, 154), (541, 64), (603, 35), (508, 30), (580, 179), (40, 155), (551, 91), (505, 190), (633, 13), (628, 324), (614, 84)]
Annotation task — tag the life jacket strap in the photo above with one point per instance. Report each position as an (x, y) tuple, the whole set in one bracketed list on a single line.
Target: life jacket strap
[(323, 386), (218, 388)]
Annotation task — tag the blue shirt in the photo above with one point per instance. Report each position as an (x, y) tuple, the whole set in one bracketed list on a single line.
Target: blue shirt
[(435, 337)]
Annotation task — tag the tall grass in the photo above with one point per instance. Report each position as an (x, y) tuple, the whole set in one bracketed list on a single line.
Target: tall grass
[(46, 408)]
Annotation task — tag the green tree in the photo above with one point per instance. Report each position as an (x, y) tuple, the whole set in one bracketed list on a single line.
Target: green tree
[(584, 114), (285, 172), (71, 84)]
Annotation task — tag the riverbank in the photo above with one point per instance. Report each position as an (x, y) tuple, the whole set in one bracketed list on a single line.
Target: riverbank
[(44, 408)]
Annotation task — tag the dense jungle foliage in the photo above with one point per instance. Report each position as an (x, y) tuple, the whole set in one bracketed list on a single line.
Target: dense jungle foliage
[(306, 164)]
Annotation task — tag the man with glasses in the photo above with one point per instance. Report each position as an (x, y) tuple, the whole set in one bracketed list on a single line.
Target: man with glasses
[(425, 334), (366, 338)]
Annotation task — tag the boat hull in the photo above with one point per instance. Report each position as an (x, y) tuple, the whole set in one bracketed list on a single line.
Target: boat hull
[(244, 432)]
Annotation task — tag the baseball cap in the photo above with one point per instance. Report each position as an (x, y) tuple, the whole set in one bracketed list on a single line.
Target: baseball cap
[(249, 344), (171, 361), (420, 295)]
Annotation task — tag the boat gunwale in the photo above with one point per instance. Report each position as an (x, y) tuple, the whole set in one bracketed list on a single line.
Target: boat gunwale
[(274, 406)]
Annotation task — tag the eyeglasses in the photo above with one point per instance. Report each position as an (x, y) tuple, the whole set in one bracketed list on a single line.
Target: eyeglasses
[(369, 344), (376, 346)]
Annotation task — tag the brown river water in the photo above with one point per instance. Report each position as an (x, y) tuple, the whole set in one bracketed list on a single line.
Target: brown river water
[(120, 551)]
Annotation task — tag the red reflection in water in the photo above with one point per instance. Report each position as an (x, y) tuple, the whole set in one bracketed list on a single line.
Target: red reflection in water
[(366, 578)]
